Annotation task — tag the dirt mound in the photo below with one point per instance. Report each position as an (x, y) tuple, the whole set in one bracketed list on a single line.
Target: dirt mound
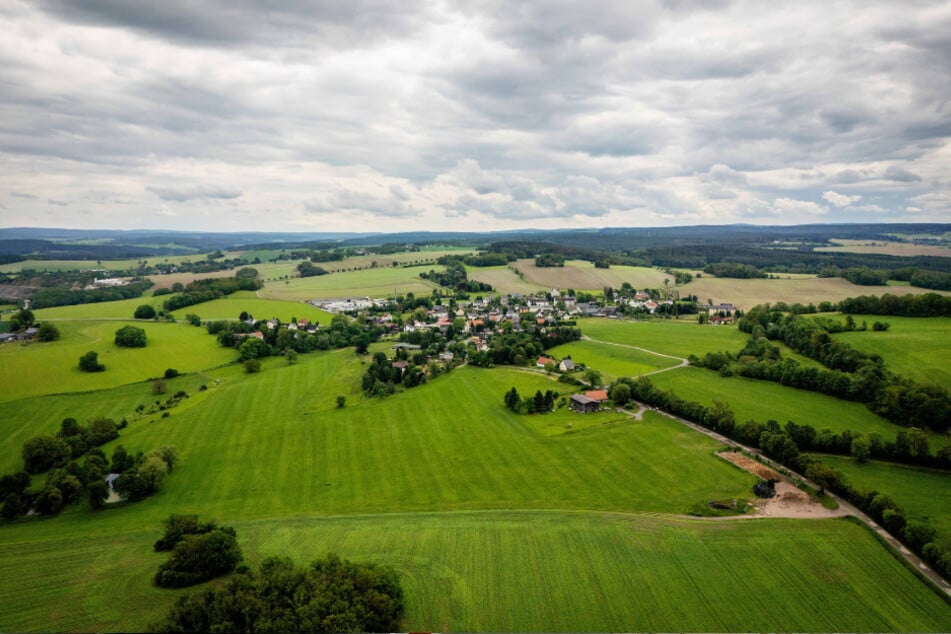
[(745, 462)]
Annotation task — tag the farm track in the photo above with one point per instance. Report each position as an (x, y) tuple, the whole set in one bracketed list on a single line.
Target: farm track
[(683, 362)]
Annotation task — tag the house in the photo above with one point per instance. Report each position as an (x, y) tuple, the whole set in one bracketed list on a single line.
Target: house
[(401, 365), (641, 296), (719, 321), (566, 365), (598, 396), (405, 346), (543, 361), (447, 357), (582, 404)]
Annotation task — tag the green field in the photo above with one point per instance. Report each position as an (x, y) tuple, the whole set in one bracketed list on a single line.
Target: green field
[(384, 282), (44, 368), (763, 400), (678, 338), (493, 523), (915, 347), (923, 493), (611, 360), (121, 309), (262, 309)]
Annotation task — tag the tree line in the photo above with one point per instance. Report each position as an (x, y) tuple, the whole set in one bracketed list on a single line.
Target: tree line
[(207, 289)]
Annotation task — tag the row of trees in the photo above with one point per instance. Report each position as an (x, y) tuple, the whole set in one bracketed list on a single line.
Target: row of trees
[(455, 277), (205, 290), (537, 404), (787, 444)]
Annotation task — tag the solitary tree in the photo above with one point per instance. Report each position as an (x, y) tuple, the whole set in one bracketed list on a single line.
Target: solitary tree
[(47, 332), (144, 311), (131, 337), (89, 362)]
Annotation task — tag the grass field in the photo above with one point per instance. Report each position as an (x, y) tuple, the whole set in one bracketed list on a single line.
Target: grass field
[(612, 361), (678, 338), (121, 309), (504, 280), (231, 306), (582, 275), (763, 400), (915, 347), (85, 265), (880, 247), (748, 293), (492, 523), (923, 493), (43, 368), (383, 282)]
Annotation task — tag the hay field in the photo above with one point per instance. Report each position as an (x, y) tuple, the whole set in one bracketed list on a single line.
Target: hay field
[(880, 247), (504, 280), (582, 275), (380, 282)]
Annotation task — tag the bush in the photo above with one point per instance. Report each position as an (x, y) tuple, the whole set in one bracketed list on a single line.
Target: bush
[(47, 332), (171, 373), (252, 365), (144, 312), (89, 362), (131, 337), (198, 558), (45, 452)]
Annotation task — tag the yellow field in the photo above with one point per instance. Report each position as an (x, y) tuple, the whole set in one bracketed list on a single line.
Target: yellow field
[(581, 275), (885, 248), (503, 280), (409, 257), (376, 283), (748, 293)]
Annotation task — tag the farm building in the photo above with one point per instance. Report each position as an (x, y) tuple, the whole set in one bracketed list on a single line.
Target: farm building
[(583, 404), (566, 365), (598, 396), (543, 361)]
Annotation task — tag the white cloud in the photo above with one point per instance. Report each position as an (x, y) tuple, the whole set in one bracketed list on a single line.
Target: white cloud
[(840, 200)]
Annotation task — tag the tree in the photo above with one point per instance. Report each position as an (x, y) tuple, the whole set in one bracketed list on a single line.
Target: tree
[(252, 365), (131, 337), (89, 362), (159, 386), (22, 320), (621, 394), (253, 348), (131, 487), (171, 373), (98, 494), (47, 332), (45, 452), (153, 471), (197, 558), (145, 311), (593, 377), (861, 448), (341, 401), (168, 454)]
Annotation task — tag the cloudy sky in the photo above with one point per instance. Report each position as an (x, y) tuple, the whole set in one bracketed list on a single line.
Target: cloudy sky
[(370, 115)]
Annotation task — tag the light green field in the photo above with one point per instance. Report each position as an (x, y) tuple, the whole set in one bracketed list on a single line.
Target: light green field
[(377, 283), (923, 493), (612, 361), (582, 275), (262, 309), (44, 368), (678, 338), (504, 280), (120, 309), (763, 400), (491, 524), (402, 259), (915, 347), (111, 265)]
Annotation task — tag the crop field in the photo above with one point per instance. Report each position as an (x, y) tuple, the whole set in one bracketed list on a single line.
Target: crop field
[(416, 481), (504, 280), (763, 400), (582, 275), (381, 282), (612, 360), (43, 368), (922, 492), (678, 338), (880, 247), (916, 347), (233, 305), (748, 293), (386, 261)]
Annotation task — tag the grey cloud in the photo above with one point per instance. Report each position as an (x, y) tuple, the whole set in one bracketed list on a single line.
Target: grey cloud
[(22, 195), (901, 175), (183, 194), (394, 205), (58, 203)]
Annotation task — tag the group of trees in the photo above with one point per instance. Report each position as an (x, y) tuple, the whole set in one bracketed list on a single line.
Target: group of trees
[(537, 404), (455, 277), (131, 337), (198, 551), (47, 297), (787, 444), (143, 474), (205, 290), (521, 348), (848, 373), (307, 269), (924, 305), (383, 375), (329, 595)]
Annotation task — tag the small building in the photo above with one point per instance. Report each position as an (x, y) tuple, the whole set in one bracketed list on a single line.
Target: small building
[(582, 404), (719, 321), (566, 365), (598, 396), (543, 361)]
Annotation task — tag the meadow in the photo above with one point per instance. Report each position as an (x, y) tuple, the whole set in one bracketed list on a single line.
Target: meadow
[(764, 400), (915, 347), (233, 305), (922, 492), (881, 247), (44, 368), (379, 282), (679, 338), (492, 523), (582, 275), (504, 280), (612, 360)]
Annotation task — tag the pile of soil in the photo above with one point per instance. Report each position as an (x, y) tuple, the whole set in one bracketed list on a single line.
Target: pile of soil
[(745, 462)]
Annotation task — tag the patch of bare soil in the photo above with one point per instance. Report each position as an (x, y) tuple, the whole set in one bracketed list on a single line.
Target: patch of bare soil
[(792, 502), (748, 464)]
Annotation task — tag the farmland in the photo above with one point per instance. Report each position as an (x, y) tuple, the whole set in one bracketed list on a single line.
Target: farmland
[(504, 280), (915, 347), (882, 247), (678, 338), (612, 360), (380, 282), (581, 275)]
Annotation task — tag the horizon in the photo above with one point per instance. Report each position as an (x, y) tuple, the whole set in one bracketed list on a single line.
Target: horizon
[(308, 118)]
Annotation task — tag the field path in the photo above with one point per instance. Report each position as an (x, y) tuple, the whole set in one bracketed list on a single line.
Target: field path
[(683, 362), (848, 509)]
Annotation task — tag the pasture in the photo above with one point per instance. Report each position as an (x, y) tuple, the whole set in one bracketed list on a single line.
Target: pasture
[(612, 360), (582, 275), (678, 338), (915, 347), (763, 400), (45, 368), (504, 280), (261, 309), (380, 282), (120, 309), (922, 492)]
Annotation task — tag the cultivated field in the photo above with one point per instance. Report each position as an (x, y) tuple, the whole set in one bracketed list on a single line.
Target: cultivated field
[(748, 293), (921, 492), (417, 481), (381, 282), (504, 280), (763, 400), (915, 347), (46, 368), (884, 248), (582, 275)]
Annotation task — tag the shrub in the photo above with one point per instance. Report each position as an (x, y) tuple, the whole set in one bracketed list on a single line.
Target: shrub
[(47, 332), (198, 558), (131, 337), (171, 373), (144, 312), (252, 365), (89, 362)]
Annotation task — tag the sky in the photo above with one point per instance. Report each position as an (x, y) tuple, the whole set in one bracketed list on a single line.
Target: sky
[(370, 115)]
